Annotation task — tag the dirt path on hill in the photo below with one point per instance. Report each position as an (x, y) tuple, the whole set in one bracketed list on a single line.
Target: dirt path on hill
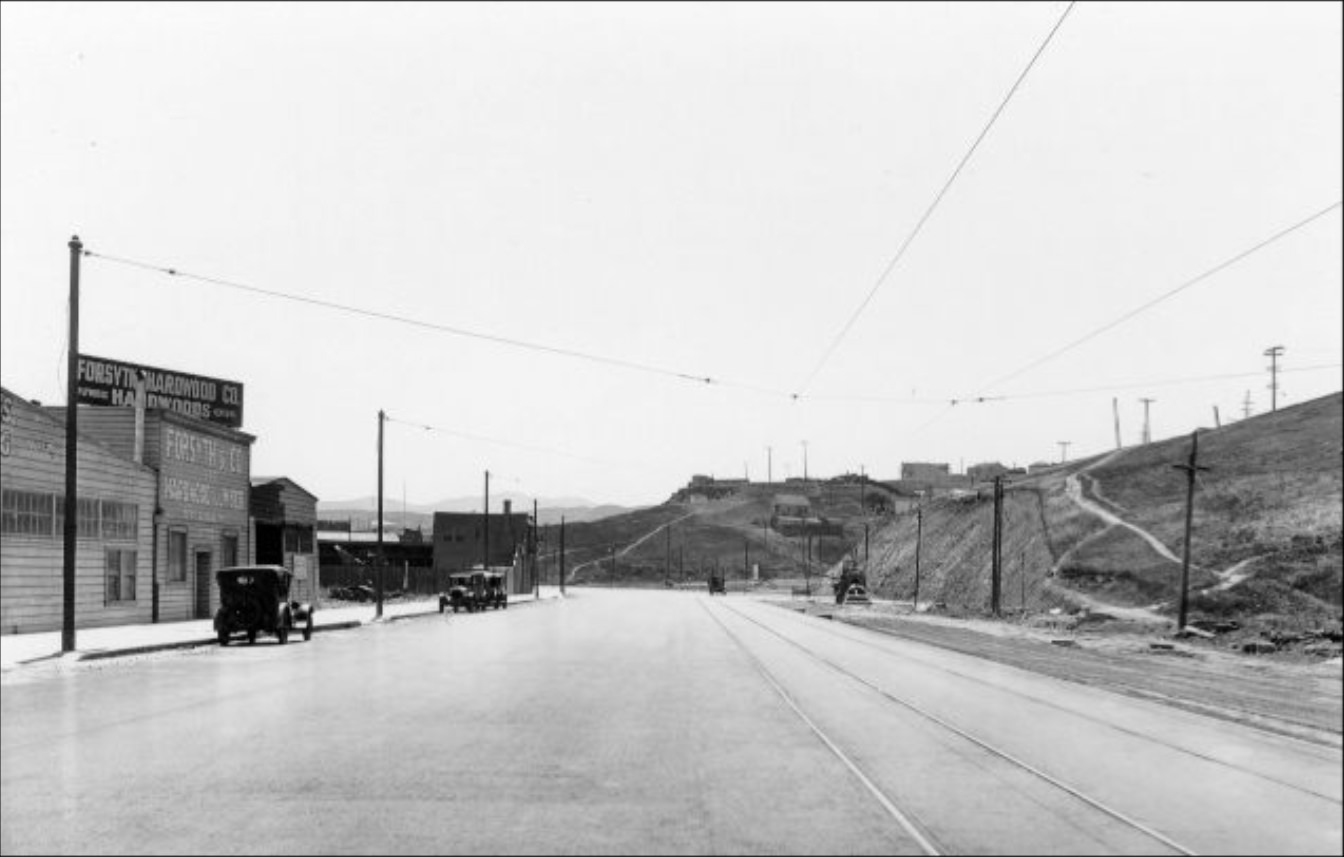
[(636, 543)]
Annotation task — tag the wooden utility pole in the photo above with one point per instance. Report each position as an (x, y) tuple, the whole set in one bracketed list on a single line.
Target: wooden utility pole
[(769, 465), (996, 565), (1147, 433), (919, 538), (378, 577), (1064, 449), (71, 533), (1191, 468), (1217, 421), (1273, 355), (485, 529), (536, 578), (562, 555), (1115, 411)]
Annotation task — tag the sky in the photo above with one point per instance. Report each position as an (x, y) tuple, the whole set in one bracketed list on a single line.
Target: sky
[(578, 209)]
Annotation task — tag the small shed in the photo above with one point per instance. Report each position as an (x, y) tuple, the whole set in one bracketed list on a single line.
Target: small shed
[(792, 506), (284, 521)]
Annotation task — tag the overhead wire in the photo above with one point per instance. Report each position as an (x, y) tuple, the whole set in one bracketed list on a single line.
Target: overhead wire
[(1221, 266), (498, 441), (928, 212), (444, 328)]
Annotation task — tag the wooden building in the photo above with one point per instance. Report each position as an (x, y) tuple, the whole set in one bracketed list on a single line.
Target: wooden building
[(284, 522), (114, 550), (204, 491)]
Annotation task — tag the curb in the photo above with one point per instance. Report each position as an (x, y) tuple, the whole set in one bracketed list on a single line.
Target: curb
[(188, 644)]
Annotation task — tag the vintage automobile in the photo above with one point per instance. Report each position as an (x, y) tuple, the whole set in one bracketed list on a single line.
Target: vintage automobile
[(852, 585), (255, 598), (463, 590), (496, 594), (716, 584)]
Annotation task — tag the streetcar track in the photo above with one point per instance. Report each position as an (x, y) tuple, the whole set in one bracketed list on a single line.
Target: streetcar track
[(925, 840), (829, 631), (1002, 754)]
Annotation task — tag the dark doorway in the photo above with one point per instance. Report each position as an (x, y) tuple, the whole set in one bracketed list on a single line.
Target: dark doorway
[(203, 569)]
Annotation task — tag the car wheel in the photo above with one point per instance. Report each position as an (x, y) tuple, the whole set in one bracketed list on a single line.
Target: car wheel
[(308, 630), (282, 633), (251, 636), (441, 605), (223, 638), (454, 608)]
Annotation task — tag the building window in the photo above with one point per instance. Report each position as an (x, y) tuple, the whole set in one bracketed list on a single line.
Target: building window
[(120, 575), (120, 520), (27, 513), (298, 539), (177, 555), (89, 526), (228, 550)]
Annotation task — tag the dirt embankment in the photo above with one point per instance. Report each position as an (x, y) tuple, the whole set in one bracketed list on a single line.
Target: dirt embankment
[(1105, 535)]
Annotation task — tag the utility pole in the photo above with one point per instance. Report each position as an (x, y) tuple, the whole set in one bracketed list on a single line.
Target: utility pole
[(996, 567), (1115, 411), (865, 545), (667, 555), (71, 533), (562, 555), (746, 565), (1246, 405), (1217, 420), (863, 507), (804, 461), (1273, 355), (1064, 449), (919, 539), (807, 577), (769, 465), (1191, 468), (536, 578), (378, 610), (1147, 434), (485, 530)]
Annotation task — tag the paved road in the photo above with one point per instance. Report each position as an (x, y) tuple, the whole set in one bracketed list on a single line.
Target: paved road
[(632, 722)]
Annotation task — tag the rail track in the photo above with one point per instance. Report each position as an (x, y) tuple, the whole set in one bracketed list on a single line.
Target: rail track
[(911, 825)]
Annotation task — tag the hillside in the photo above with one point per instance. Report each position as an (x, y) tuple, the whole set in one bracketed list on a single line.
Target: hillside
[(725, 533), (1106, 533)]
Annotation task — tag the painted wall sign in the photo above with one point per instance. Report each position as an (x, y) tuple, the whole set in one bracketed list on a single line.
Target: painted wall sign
[(112, 383)]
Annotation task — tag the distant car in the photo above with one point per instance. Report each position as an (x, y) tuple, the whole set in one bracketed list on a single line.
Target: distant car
[(716, 585), (255, 598), (496, 594), (461, 594)]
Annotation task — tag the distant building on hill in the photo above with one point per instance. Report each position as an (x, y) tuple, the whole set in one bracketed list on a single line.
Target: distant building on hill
[(986, 471), (791, 506), (916, 471)]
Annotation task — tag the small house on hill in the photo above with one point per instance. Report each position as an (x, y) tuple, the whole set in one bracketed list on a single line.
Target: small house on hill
[(791, 506)]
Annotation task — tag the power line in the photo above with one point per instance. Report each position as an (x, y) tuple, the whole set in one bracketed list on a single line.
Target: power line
[(919, 225), (443, 328), (498, 441), (1157, 300), (1007, 397)]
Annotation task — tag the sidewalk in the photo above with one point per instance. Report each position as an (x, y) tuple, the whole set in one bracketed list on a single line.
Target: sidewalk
[(17, 650)]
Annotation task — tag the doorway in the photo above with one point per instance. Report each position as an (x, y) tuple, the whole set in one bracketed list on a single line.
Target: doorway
[(203, 584)]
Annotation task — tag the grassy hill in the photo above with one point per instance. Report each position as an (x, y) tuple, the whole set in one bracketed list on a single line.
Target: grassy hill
[(725, 533), (1265, 547)]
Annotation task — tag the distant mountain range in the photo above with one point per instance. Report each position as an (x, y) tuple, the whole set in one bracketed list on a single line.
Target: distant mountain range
[(549, 509)]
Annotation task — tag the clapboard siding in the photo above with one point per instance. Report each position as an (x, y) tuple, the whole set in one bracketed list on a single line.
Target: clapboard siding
[(32, 566)]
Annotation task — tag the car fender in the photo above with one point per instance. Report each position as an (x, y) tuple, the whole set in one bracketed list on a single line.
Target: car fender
[(284, 617), (301, 611)]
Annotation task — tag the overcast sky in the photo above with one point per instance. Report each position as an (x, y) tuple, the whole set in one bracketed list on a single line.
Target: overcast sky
[(705, 189)]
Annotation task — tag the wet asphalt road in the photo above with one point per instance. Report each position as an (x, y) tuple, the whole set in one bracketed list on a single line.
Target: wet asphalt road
[(632, 722)]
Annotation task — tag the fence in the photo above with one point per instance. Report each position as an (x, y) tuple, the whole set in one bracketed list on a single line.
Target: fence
[(419, 580)]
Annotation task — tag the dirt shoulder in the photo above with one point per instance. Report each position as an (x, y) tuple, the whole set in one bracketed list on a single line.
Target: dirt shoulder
[(1302, 699)]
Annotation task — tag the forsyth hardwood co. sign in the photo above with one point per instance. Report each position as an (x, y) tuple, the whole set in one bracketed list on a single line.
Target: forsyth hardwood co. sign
[(112, 383)]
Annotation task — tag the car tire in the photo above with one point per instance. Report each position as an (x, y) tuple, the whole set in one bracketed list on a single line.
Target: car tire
[(282, 634), (441, 605), (251, 636), (308, 630), (223, 638)]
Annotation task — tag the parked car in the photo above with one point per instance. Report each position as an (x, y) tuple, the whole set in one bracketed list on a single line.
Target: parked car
[(463, 591), (496, 593), (716, 584), (255, 598)]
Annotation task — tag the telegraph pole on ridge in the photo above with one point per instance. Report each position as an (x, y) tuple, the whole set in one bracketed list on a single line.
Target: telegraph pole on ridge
[(1147, 435), (919, 538), (71, 456), (996, 564), (1273, 355)]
